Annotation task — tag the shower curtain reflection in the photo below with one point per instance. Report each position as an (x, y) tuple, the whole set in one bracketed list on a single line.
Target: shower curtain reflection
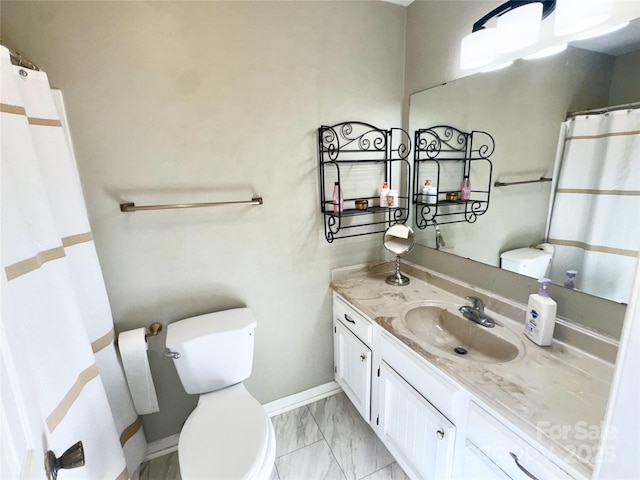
[(594, 224)]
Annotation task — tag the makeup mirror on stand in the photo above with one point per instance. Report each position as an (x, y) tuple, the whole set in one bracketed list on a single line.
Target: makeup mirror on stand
[(399, 240)]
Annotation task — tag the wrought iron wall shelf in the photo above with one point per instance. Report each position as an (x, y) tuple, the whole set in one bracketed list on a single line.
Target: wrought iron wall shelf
[(359, 157), (445, 155)]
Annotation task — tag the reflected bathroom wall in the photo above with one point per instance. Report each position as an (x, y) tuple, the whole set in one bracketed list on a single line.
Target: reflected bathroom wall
[(522, 107)]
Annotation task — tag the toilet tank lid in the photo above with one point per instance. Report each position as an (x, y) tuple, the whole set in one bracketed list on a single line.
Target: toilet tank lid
[(187, 329), (525, 253)]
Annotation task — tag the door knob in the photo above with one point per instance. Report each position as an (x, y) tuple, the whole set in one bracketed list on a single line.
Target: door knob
[(363, 357), (72, 458)]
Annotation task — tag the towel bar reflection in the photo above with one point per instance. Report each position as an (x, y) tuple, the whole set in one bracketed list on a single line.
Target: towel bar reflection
[(132, 207), (507, 184)]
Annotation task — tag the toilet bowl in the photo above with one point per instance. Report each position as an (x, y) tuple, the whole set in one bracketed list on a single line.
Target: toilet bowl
[(229, 434)]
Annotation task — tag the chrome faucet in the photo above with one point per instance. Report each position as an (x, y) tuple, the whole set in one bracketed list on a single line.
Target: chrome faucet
[(476, 314), (439, 238)]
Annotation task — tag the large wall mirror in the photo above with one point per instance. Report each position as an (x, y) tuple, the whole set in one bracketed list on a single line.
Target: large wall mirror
[(523, 107)]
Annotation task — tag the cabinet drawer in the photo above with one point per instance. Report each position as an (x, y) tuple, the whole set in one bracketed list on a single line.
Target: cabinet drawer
[(512, 453), (354, 321), (477, 465)]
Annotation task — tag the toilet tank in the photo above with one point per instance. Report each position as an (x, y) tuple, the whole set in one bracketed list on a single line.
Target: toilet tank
[(214, 350), (526, 261)]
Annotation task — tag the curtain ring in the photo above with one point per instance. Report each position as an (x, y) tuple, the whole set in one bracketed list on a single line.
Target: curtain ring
[(23, 72)]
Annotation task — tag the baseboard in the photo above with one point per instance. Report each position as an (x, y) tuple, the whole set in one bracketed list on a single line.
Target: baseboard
[(169, 444), (301, 399), (162, 447)]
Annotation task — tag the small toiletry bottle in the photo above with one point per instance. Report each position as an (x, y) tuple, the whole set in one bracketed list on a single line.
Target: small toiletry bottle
[(570, 283), (541, 315), (338, 198), (384, 195), (392, 198), (431, 192), (465, 189), (425, 189)]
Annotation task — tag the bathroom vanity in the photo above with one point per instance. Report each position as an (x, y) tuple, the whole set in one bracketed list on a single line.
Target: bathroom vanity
[(505, 408)]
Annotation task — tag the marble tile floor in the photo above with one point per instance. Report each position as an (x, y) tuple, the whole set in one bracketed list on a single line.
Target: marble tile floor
[(327, 439)]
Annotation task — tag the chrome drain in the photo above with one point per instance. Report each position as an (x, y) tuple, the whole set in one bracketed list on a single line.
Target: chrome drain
[(460, 350)]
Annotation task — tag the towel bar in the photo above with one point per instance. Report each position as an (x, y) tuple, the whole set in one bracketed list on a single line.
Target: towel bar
[(131, 207), (506, 184)]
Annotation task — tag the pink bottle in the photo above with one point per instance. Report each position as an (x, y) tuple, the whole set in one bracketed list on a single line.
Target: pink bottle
[(338, 198), (466, 189)]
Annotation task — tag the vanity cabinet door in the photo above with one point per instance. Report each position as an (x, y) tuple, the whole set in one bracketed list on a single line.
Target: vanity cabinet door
[(352, 360), (419, 437)]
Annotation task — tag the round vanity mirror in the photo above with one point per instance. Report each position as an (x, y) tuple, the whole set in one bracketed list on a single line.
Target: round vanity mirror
[(399, 240)]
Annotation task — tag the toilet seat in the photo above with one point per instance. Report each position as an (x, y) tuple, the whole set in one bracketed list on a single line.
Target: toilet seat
[(227, 436)]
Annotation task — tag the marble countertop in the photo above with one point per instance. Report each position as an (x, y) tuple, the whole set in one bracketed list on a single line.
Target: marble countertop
[(557, 395)]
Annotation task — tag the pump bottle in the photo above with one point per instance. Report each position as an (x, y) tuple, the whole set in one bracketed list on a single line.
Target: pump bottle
[(541, 315)]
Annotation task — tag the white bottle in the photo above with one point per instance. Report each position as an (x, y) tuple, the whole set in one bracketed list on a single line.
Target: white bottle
[(541, 315), (392, 198), (384, 195), (430, 192)]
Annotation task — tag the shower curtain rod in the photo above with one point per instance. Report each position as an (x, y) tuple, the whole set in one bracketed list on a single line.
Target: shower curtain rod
[(598, 111), (20, 61)]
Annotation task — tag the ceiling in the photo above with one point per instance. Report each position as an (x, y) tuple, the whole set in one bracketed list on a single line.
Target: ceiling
[(617, 43), (404, 3)]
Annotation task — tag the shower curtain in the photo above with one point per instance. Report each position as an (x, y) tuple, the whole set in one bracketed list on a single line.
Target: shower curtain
[(595, 219), (54, 302)]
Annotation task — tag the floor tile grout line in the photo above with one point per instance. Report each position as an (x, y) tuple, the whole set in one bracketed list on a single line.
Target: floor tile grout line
[(302, 408), (276, 469), (298, 449), (380, 469), (325, 438), (334, 456)]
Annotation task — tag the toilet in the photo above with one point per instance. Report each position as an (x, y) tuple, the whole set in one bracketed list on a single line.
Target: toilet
[(532, 262), (229, 434)]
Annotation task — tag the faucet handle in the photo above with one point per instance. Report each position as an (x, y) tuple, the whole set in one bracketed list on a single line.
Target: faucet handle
[(477, 303)]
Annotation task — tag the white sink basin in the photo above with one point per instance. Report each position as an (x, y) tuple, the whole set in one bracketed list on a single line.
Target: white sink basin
[(440, 329)]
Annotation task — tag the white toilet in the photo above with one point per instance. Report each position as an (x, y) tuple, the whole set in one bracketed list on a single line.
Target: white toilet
[(532, 262), (228, 435)]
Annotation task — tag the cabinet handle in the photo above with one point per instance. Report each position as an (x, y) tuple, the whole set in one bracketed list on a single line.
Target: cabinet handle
[(440, 434), (346, 317), (363, 357), (524, 470)]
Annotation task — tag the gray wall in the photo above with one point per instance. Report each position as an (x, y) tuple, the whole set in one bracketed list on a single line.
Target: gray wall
[(207, 101), (625, 87)]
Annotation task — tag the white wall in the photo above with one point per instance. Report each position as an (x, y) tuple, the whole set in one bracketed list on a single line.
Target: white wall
[(209, 101)]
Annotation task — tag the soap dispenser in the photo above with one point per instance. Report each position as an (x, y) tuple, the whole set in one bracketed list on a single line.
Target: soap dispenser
[(541, 315), (571, 279)]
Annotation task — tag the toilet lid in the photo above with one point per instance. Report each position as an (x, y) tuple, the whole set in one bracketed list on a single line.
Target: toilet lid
[(225, 437)]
